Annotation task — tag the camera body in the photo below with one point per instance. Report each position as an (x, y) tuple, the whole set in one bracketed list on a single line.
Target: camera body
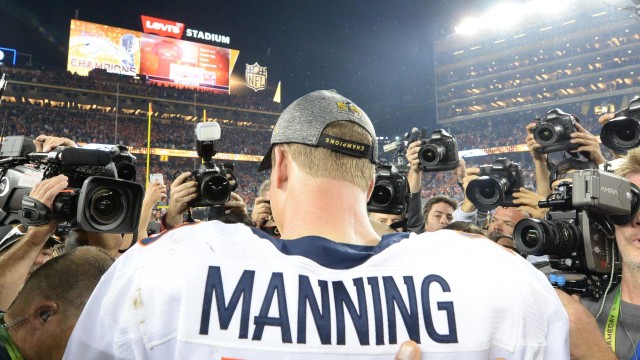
[(439, 152), (577, 234), (622, 133), (553, 132), (495, 185), (214, 187), (390, 192), (95, 200)]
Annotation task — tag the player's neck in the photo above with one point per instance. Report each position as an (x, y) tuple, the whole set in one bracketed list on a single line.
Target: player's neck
[(630, 284), (329, 208)]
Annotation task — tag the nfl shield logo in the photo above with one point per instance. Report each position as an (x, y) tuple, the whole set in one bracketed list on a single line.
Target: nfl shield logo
[(256, 76)]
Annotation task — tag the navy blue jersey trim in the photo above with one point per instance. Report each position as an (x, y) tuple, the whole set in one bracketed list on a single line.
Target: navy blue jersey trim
[(331, 254)]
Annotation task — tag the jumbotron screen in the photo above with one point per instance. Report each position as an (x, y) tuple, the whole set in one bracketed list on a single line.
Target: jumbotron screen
[(184, 63), (105, 47), (161, 59)]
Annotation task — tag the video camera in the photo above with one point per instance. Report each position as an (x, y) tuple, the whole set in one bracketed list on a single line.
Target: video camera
[(553, 132), (214, 187), (577, 233), (390, 193), (95, 200), (495, 185), (623, 132)]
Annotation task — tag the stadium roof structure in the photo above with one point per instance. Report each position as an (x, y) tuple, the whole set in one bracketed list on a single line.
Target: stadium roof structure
[(586, 53)]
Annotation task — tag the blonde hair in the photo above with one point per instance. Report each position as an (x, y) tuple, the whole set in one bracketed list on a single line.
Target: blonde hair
[(631, 163), (319, 162)]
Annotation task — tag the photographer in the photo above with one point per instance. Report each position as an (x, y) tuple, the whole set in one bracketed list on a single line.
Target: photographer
[(322, 289), (586, 143), (437, 211), (502, 220), (16, 263), (619, 318)]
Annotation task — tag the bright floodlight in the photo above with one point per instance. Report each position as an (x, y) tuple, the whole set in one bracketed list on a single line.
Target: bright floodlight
[(506, 15), (469, 27)]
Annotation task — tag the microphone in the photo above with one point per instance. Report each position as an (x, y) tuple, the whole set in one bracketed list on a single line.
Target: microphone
[(72, 156), (84, 157)]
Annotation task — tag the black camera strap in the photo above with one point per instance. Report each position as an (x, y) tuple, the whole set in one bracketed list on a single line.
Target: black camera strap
[(35, 212)]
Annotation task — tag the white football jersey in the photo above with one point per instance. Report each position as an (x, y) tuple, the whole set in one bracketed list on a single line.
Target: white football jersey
[(218, 291)]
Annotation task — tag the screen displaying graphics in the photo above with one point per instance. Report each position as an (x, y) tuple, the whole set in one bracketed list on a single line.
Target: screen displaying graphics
[(7, 56), (105, 47), (185, 63)]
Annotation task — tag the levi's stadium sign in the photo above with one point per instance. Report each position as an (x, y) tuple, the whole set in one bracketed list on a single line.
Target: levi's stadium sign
[(162, 27)]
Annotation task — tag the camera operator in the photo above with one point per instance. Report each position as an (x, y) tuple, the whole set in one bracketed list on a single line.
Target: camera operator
[(16, 263), (39, 322), (618, 321), (322, 158)]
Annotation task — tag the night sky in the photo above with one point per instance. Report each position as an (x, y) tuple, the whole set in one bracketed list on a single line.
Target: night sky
[(377, 53)]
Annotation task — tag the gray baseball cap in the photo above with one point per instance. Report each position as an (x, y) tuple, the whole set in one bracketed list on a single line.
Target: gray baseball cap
[(304, 121)]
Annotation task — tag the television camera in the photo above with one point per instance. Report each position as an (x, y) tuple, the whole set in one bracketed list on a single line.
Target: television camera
[(577, 233), (96, 199)]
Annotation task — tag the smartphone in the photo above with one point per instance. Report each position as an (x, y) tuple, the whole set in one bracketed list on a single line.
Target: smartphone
[(156, 178)]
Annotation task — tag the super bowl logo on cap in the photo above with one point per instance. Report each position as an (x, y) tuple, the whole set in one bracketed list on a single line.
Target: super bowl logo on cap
[(350, 108)]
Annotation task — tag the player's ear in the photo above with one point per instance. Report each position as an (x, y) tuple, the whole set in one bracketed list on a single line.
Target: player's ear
[(372, 184), (281, 167)]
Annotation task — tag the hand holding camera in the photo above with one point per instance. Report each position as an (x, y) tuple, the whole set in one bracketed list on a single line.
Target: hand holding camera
[(533, 145), (182, 191), (46, 192), (495, 185), (46, 143), (553, 132), (528, 201), (261, 211), (588, 143)]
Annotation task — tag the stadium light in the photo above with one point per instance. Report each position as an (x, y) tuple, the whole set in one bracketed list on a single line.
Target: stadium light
[(504, 16)]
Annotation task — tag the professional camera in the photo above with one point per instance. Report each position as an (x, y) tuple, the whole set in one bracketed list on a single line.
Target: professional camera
[(439, 153), (390, 193), (623, 132), (495, 185), (553, 132), (95, 200), (577, 233), (214, 187)]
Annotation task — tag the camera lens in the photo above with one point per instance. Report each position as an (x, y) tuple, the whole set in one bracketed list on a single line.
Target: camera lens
[(106, 206), (487, 192), (547, 134), (382, 194), (431, 154), (621, 134), (215, 189), (547, 237)]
